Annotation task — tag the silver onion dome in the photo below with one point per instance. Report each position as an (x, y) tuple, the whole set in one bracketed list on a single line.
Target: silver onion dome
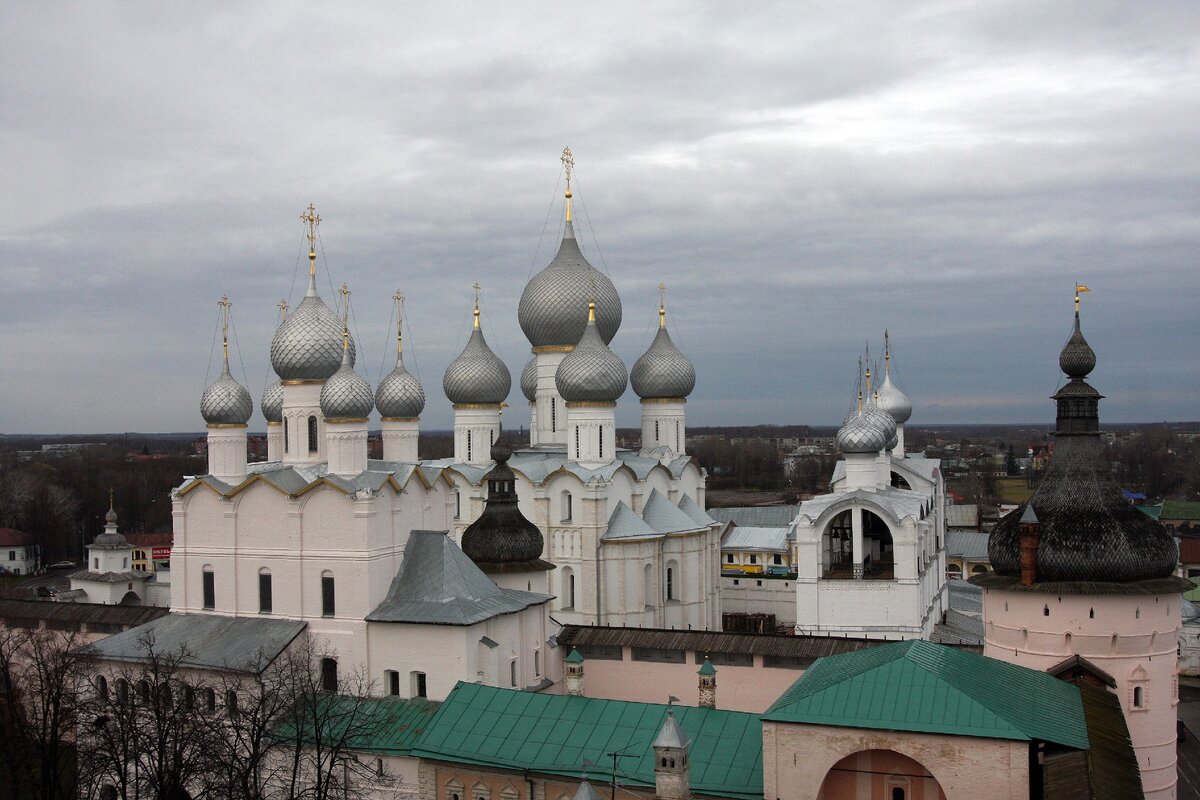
[(529, 380), (591, 372), (272, 401), (663, 371), (308, 343), (894, 401), (551, 311), (400, 395), (225, 401), (860, 434), (877, 416), (477, 375), (346, 394)]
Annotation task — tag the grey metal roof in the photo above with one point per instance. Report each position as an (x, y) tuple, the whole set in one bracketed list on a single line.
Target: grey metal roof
[(539, 463), (962, 515), (756, 516), (346, 394), (529, 379), (438, 584), (238, 644), (591, 372), (970, 545), (225, 401), (861, 433), (477, 375), (93, 615), (663, 371), (110, 577), (664, 517), (553, 307), (690, 507), (400, 395), (894, 401), (965, 597), (625, 524), (671, 735), (766, 540), (308, 343), (272, 401)]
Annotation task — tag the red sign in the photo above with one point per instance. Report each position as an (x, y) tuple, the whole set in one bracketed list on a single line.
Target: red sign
[(160, 553)]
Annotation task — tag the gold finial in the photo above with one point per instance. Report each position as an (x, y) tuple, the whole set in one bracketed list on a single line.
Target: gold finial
[(283, 309), (312, 220), (345, 292), (476, 287), (399, 298), (110, 499), (225, 304), (662, 305), (860, 401), (591, 311), (887, 353), (568, 161), (1079, 289), (868, 381)]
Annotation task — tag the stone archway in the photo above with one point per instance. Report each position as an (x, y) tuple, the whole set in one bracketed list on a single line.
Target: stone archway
[(879, 775)]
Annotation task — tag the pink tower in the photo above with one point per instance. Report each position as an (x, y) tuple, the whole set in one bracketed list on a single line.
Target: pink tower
[(1081, 574)]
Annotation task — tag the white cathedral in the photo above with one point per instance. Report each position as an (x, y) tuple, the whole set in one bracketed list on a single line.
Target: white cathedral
[(366, 552)]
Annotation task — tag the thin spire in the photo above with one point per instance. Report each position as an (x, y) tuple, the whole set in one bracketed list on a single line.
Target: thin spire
[(476, 287), (311, 219), (662, 305), (110, 499), (868, 380), (345, 292), (1079, 289), (225, 304), (568, 166), (399, 298), (887, 354)]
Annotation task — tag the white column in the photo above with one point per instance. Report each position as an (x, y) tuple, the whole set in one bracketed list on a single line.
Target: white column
[(346, 446), (856, 533), (898, 450), (664, 424), (591, 433), (274, 441), (549, 424), (302, 402), (400, 436), (533, 423), (476, 429), (227, 452)]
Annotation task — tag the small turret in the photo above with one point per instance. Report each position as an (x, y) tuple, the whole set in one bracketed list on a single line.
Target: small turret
[(708, 684), (671, 760), (574, 672)]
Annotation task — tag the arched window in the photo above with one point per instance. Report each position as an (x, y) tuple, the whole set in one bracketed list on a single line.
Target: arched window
[(286, 444), (209, 582), (144, 691), (553, 416), (264, 591), (568, 588), (577, 441), (1138, 697), (329, 674), (379, 767), (897, 793), (468, 445), (671, 581), (101, 687), (1045, 611), (651, 599), (231, 703), (210, 700), (457, 504), (600, 440), (677, 448), (656, 442), (565, 503), (312, 435), (122, 691), (328, 598), (512, 673)]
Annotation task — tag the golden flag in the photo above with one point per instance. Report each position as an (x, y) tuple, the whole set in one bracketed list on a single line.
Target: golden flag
[(1079, 287)]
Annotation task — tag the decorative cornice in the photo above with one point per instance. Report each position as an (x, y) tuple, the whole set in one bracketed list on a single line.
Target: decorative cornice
[(344, 420), (226, 425), (275, 424), (592, 404), (400, 419), (646, 400), (303, 382), (554, 348), (476, 406)]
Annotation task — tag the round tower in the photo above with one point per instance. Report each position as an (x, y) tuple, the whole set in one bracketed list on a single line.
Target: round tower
[(226, 407), (1080, 573), (663, 378), (346, 402), (552, 312), (477, 383), (400, 400)]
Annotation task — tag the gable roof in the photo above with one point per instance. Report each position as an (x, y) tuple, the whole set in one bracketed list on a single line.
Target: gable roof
[(11, 537), (923, 687), (971, 545), (768, 540), (553, 734), (237, 644), (439, 584), (664, 517), (756, 516)]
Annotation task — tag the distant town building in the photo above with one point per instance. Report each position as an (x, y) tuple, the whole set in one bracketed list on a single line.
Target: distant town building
[(20, 554)]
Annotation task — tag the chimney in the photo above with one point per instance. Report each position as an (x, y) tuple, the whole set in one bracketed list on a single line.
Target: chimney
[(708, 685), (1027, 532), (574, 672)]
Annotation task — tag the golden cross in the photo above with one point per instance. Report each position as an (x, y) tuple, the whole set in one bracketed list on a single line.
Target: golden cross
[(225, 304), (345, 293), (662, 305), (568, 165), (312, 219), (283, 309), (399, 298), (476, 287)]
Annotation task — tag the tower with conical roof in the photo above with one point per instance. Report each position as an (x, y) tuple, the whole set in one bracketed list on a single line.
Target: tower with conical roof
[(671, 769), (306, 350), (226, 407), (1087, 575), (477, 382), (400, 400), (552, 313), (663, 378)]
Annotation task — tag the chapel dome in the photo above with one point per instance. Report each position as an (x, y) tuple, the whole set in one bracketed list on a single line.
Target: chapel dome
[(529, 380), (502, 538), (346, 395), (400, 395), (477, 375), (308, 344), (553, 306), (272, 401), (861, 433), (591, 372), (225, 401), (663, 371)]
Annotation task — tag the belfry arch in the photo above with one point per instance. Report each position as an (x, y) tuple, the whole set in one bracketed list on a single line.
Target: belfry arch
[(857, 544)]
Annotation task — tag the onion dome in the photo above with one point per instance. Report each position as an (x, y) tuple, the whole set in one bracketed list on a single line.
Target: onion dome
[(878, 416), (552, 305), (400, 395), (1087, 531), (346, 395), (502, 539), (591, 373), (1077, 358), (477, 375), (225, 401), (891, 399), (663, 371), (272, 401), (308, 344), (529, 380), (861, 433)]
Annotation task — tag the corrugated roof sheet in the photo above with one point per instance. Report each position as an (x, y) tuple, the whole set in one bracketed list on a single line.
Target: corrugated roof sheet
[(239, 644), (554, 734), (439, 584), (1153, 512), (962, 515), (803, 647), (923, 687), (967, 544), (756, 516), (390, 725), (91, 614), (766, 540)]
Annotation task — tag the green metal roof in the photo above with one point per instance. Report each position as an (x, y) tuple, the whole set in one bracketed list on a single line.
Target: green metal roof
[(1180, 509), (1153, 512), (392, 724), (574, 657), (707, 668), (924, 687), (553, 734)]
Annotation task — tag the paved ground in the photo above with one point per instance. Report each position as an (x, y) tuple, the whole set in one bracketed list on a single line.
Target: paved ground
[(25, 586), (1189, 748)]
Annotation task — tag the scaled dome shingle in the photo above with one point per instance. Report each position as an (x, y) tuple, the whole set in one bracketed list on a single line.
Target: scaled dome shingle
[(553, 307)]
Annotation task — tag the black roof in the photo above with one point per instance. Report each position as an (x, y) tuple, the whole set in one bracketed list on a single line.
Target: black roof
[(502, 535)]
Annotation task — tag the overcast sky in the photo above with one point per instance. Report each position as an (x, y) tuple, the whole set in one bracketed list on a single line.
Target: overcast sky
[(800, 176)]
